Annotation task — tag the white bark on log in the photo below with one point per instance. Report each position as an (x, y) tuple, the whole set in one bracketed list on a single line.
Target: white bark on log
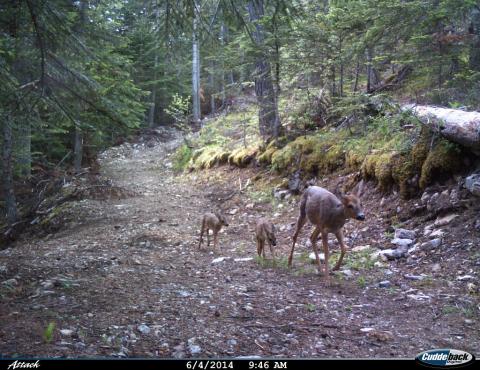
[(455, 125)]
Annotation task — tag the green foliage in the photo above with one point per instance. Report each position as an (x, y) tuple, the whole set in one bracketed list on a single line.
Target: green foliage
[(48, 332), (179, 109), (181, 157)]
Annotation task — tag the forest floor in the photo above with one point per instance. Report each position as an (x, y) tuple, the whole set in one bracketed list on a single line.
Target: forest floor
[(123, 277)]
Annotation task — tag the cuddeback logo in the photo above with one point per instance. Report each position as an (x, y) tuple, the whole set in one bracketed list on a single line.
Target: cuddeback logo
[(445, 358)]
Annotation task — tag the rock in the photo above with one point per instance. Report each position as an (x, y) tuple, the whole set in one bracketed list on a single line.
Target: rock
[(392, 254), (184, 293), (425, 197), (404, 234), (367, 330), (413, 277), (311, 256), (66, 332), (431, 244), (243, 259), (402, 243), (360, 248), (381, 336), (144, 329), (468, 321), (439, 202), (385, 284), (219, 259), (472, 183), (295, 184), (3, 269), (472, 288), (347, 273), (465, 277), (194, 349), (280, 194), (232, 342), (477, 224), (10, 282), (436, 267), (233, 211), (445, 220), (436, 234)]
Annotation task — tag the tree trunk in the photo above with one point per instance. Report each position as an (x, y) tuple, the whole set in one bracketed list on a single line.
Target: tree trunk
[(78, 149), (196, 65), (373, 77), (24, 152), (455, 125), (211, 78), (334, 86), (263, 75), (7, 167), (474, 58), (223, 32), (151, 112), (357, 73)]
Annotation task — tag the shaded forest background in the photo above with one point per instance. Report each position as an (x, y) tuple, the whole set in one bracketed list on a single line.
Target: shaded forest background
[(79, 76)]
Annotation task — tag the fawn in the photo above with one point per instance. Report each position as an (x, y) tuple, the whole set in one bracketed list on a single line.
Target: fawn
[(265, 232), (328, 214), (214, 222)]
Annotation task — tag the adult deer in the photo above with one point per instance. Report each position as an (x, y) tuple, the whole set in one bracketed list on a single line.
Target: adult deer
[(328, 214)]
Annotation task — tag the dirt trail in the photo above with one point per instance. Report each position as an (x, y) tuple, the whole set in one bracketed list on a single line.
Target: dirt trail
[(125, 279)]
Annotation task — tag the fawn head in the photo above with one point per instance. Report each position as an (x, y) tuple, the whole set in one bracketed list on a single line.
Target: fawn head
[(352, 203), (222, 219), (271, 235)]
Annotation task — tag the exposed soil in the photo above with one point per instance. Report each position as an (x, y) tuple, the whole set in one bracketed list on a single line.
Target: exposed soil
[(124, 276)]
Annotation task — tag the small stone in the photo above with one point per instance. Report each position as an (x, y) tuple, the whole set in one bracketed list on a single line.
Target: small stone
[(144, 329), (436, 267), (219, 259), (413, 277), (312, 258), (245, 259), (472, 183), (360, 248), (468, 321), (431, 244), (66, 332), (232, 342), (465, 277), (392, 254), (436, 234), (402, 243), (367, 330), (445, 220), (404, 234), (347, 273), (385, 284)]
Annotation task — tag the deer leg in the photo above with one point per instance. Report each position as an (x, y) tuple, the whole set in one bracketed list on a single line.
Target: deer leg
[(201, 235), (300, 222), (343, 248), (313, 239), (208, 238), (325, 251), (259, 248), (263, 249)]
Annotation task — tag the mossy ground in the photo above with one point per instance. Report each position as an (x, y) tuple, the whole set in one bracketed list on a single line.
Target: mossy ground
[(394, 150)]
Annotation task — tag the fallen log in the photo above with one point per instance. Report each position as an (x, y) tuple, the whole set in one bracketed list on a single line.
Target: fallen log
[(455, 125)]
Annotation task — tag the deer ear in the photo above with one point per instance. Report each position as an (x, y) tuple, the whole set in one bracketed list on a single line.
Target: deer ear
[(339, 192), (359, 191)]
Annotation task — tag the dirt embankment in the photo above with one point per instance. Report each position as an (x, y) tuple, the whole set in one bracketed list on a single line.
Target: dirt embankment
[(124, 278)]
